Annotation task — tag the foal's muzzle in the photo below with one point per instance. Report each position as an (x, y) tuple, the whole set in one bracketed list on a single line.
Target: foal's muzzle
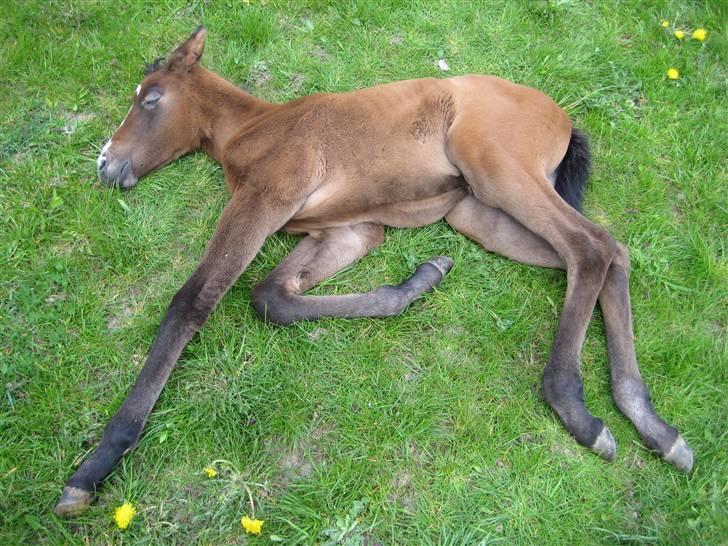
[(115, 171)]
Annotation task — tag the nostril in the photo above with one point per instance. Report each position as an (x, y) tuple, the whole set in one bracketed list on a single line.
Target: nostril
[(102, 163)]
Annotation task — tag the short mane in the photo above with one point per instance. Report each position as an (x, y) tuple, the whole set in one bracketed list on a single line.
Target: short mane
[(158, 64)]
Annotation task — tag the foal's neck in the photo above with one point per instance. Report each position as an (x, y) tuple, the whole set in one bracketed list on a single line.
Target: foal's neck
[(223, 109)]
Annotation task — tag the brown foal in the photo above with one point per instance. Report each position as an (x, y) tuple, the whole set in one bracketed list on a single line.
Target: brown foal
[(500, 162)]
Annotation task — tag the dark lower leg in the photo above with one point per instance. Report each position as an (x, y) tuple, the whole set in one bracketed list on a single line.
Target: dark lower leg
[(279, 297), (231, 248), (562, 385), (125, 428), (628, 389)]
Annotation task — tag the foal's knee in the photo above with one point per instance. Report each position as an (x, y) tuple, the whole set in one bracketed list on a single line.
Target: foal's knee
[(193, 303), (271, 302), (561, 386)]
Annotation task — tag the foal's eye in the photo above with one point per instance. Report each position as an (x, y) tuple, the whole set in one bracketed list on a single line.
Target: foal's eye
[(151, 100)]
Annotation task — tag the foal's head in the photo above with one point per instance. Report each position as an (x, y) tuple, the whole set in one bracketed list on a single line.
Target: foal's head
[(161, 124)]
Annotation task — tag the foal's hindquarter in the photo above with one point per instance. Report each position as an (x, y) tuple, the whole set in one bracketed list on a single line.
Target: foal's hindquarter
[(479, 151)]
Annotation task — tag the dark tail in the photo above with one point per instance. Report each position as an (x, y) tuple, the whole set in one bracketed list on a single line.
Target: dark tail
[(572, 173)]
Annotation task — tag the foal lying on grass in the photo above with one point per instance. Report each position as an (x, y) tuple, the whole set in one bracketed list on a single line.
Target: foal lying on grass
[(500, 162)]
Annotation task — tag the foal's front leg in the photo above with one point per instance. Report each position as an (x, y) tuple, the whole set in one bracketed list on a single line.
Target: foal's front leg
[(241, 231), (280, 297)]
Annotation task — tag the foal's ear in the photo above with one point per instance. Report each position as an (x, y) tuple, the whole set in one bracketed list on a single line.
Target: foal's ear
[(188, 54)]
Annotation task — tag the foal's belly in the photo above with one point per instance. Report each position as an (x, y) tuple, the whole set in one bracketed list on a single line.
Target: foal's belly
[(412, 189), (347, 209)]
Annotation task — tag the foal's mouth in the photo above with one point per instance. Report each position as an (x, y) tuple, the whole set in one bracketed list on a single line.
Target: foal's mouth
[(124, 178)]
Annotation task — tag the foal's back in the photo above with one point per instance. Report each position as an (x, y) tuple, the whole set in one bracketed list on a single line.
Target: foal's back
[(380, 154)]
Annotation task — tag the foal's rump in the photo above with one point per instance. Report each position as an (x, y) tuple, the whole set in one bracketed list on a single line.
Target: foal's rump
[(506, 120)]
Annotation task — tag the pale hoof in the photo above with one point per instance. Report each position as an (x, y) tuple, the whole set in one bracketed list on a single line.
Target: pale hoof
[(680, 455), (605, 446), (73, 501)]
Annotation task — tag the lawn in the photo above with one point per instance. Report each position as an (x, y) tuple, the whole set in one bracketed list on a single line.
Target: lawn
[(428, 428)]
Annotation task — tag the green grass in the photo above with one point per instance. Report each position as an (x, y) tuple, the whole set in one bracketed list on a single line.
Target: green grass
[(432, 420)]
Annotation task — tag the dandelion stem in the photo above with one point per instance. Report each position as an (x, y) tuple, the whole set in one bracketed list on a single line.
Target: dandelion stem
[(250, 498)]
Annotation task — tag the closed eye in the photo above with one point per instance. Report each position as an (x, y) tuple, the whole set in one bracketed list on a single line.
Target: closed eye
[(151, 100)]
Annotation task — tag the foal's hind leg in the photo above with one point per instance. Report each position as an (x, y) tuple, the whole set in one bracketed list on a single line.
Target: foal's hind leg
[(628, 388), (278, 298), (516, 187), (498, 232)]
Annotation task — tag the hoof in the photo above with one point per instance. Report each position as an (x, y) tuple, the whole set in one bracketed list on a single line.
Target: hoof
[(442, 263), (680, 455), (73, 501), (605, 445)]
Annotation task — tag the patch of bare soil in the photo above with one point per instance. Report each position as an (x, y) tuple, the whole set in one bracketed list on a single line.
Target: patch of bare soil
[(73, 119), (568, 452), (296, 82), (420, 456), (317, 333), (260, 75), (321, 54), (120, 318), (396, 40), (403, 491), (299, 461)]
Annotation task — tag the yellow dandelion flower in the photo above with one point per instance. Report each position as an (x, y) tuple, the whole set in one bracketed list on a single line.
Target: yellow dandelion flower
[(700, 34), (664, 23), (124, 514), (679, 34), (673, 74), (252, 526), (210, 472)]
